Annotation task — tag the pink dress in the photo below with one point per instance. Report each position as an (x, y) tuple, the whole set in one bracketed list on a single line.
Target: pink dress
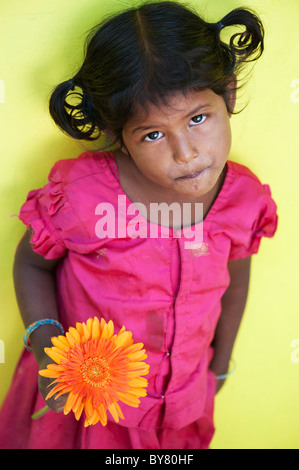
[(168, 295)]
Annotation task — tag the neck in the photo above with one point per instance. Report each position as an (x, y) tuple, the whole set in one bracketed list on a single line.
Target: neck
[(140, 189)]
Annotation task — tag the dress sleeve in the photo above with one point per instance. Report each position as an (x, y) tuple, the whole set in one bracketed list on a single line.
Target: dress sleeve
[(45, 211), (262, 224)]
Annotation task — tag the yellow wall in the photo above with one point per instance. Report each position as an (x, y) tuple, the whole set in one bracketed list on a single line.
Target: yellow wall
[(41, 45)]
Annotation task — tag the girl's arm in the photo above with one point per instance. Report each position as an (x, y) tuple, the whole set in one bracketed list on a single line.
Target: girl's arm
[(233, 305), (34, 280)]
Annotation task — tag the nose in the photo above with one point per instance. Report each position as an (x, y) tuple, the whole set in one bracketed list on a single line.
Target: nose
[(184, 149)]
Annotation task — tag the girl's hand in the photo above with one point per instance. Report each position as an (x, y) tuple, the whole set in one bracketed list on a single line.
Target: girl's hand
[(43, 385)]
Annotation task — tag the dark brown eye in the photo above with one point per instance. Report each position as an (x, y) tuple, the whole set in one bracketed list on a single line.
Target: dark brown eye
[(198, 119), (155, 135)]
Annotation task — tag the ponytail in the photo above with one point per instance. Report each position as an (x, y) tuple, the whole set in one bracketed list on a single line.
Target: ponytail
[(246, 46), (79, 119)]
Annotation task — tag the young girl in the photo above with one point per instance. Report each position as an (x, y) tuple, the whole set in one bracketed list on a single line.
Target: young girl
[(159, 81)]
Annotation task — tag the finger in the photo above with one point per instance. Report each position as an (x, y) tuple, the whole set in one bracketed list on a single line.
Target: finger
[(57, 405)]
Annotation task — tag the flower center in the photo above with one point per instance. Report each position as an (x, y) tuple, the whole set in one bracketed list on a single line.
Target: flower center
[(95, 371)]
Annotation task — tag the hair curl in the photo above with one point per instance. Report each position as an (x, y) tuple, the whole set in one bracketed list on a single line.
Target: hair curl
[(146, 54)]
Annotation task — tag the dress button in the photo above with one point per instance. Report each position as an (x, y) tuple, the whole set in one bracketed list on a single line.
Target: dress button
[(168, 353), (163, 396)]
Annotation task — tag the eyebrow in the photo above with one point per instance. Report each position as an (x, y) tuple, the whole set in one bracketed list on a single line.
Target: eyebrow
[(155, 126)]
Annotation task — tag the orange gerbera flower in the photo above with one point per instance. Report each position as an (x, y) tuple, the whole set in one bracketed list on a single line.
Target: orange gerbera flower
[(97, 368)]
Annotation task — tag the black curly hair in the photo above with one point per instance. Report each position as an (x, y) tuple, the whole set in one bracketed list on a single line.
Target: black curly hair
[(146, 54)]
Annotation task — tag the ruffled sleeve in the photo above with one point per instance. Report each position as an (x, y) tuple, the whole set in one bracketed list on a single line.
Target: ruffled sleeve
[(260, 221), (62, 213), (43, 211)]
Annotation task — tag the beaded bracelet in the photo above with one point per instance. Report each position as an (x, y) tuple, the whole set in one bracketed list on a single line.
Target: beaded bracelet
[(224, 376), (37, 324)]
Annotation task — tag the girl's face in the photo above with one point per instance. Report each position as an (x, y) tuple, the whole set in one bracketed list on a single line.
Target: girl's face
[(180, 150)]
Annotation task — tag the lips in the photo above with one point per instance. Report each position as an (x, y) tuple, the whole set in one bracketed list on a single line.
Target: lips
[(191, 175)]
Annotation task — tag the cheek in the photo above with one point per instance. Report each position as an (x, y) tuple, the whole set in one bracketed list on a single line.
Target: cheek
[(153, 159), (149, 166), (224, 137), (227, 137)]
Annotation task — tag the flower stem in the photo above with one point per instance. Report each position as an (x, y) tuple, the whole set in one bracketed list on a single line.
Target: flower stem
[(40, 413)]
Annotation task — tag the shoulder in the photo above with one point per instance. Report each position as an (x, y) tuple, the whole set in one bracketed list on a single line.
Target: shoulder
[(243, 173), (86, 164), (243, 199), (245, 185), (247, 212)]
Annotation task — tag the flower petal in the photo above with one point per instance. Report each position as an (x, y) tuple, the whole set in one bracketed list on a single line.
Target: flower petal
[(118, 409), (59, 388), (71, 339), (137, 365), (71, 400), (51, 374), (79, 409), (89, 324), (137, 356), (139, 392), (138, 382), (58, 342), (88, 408), (114, 412), (129, 399), (86, 331), (110, 328), (137, 372), (79, 328), (101, 411), (95, 330), (75, 333), (123, 339), (54, 354)]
